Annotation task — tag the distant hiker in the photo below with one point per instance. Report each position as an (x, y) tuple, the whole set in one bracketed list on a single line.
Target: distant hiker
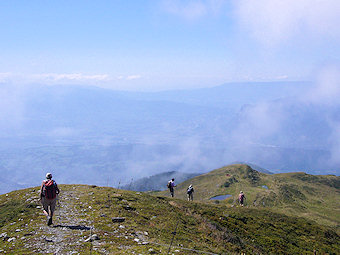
[(48, 196), (171, 185), (241, 198), (190, 193)]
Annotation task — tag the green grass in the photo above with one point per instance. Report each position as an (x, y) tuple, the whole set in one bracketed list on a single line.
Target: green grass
[(213, 228), (297, 194), (209, 227), (16, 211)]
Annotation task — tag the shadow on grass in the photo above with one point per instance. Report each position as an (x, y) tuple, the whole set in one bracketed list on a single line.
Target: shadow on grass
[(78, 227)]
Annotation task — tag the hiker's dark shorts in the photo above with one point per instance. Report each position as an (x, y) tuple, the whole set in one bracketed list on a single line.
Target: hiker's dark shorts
[(191, 196), (49, 203)]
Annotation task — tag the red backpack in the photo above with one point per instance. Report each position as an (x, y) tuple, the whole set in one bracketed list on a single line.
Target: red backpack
[(49, 189)]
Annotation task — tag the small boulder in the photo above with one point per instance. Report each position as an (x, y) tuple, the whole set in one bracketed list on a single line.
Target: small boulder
[(11, 239), (4, 236), (152, 251), (118, 219), (92, 238), (48, 240), (129, 208)]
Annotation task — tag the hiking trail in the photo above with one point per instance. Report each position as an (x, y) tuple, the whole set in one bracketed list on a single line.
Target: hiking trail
[(68, 229)]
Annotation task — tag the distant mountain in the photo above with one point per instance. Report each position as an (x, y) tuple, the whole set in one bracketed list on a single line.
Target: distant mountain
[(290, 193), (233, 95), (158, 181), (49, 114)]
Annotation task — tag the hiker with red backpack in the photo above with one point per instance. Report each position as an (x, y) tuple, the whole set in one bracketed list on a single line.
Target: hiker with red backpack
[(241, 198), (48, 196)]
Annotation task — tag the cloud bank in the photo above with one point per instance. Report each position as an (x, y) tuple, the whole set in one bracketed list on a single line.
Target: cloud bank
[(55, 77), (274, 22), (309, 121), (327, 87)]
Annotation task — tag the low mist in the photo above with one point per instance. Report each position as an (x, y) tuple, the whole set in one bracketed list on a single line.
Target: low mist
[(103, 137)]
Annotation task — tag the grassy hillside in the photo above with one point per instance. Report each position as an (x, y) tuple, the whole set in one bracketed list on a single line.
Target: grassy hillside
[(149, 222), (315, 197)]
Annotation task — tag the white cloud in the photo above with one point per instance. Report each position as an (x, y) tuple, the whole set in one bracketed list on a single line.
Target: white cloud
[(133, 77), (4, 77), (125, 82), (276, 21), (334, 139), (327, 87), (129, 77), (55, 77), (258, 122), (51, 78), (281, 77)]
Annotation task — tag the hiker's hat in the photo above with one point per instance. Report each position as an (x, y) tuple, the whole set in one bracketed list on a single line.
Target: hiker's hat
[(48, 176), (241, 191)]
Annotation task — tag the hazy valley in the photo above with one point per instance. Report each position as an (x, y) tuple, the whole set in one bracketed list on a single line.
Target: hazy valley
[(105, 137)]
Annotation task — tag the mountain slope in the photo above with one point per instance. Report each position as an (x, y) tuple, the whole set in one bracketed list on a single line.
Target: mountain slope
[(313, 196), (149, 220)]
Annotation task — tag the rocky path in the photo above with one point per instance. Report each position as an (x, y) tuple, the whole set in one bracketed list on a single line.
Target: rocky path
[(84, 222), (68, 231)]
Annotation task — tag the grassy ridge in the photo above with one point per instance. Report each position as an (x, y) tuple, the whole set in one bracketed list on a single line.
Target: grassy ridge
[(296, 194), (215, 228)]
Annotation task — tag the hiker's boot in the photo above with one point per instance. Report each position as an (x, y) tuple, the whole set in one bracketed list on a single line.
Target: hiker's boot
[(49, 221)]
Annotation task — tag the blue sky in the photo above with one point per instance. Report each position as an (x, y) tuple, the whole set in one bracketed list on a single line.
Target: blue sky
[(166, 44)]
